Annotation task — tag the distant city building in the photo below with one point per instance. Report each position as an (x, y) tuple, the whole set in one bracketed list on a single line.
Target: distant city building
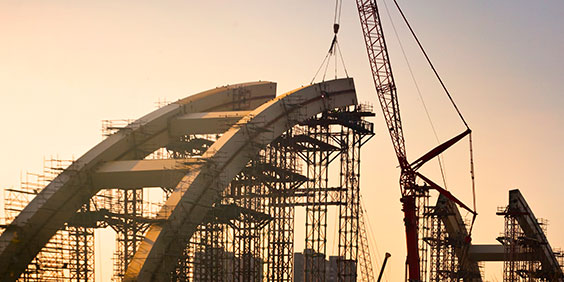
[(214, 263), (331, 267), (299, 261)]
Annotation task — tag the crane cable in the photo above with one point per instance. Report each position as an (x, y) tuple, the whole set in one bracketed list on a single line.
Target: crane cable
[(442, 167), (472, 172), (472, 176), (334, 48), (431, 64)]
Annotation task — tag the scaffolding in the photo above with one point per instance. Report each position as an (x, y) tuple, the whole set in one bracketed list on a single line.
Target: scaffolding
[(560, 257), (520, 262), (48, 263), (364, 259), (445, 245), (280, 243), (425, 234), (129, 230), (249, 234), (69, 254), (81, 250), (527, 253), (127, 211), (443, 263), (317, 158)]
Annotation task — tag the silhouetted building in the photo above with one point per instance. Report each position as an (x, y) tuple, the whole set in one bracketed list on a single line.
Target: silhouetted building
[(331, 267), (216, 262)]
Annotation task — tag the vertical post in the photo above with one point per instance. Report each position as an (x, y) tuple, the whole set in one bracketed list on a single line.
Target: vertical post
[(316, 219), (349, 205)]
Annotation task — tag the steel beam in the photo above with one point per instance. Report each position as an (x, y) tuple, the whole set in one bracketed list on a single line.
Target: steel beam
[(205, 123), (143, 173), (492, 253), (486, 253), (519, 208)]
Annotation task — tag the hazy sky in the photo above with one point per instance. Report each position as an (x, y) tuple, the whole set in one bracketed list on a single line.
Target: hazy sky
[(67, 65)]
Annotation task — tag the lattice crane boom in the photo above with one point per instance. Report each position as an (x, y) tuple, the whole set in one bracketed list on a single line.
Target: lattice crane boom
[(365, 260), (382, 74), (387, 95)]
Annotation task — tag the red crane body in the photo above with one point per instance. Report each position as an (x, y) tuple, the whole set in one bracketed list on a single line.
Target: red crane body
[(387, 96), (386, 90)]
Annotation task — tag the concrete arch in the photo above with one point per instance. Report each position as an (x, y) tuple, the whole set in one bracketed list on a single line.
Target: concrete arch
[(157, 255), (59, 201), (247, 114)]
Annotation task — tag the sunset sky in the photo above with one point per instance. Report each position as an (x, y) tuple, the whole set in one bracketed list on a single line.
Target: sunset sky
[(67, 65)]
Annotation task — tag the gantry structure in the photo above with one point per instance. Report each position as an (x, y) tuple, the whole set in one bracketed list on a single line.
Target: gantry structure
[(234, 163)]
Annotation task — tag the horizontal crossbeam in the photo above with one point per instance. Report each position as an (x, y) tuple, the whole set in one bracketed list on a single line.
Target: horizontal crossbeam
[(143, 173), (205, 123)]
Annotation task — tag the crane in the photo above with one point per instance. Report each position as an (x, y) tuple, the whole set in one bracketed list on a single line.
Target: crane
[(387, 96)]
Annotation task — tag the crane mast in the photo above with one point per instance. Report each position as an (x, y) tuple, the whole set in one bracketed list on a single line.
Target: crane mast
[(387, 95)]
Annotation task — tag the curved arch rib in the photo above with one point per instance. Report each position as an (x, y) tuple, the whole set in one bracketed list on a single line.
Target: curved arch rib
[(59, 201), (157, 255)]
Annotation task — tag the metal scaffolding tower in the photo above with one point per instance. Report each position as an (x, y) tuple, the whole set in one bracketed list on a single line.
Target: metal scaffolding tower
[(69, 254), (364, 257), (527, 253), (443, 264), (445, 248), (254, 222), (248, 234)]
